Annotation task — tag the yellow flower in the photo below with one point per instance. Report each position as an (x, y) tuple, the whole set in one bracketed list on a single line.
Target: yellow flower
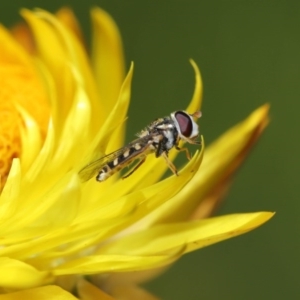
[(60, 109)]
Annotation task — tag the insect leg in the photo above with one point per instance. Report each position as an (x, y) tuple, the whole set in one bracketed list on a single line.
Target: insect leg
[(187, 152), (142, 160), (160, 146), (169, 163)]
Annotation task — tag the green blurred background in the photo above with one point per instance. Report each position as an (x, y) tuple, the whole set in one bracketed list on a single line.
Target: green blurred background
[(249, 54)]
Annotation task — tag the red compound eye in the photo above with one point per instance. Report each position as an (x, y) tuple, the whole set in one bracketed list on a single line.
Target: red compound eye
[(185, 123)]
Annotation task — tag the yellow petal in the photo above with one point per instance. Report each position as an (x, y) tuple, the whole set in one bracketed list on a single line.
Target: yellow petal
[(75, 131), (11, 52), (225, 156), (109, 136), (107, 56), (27, 275), (50, 216), (23, 36), (131, 292), (67, 17), (129, 278), (40, 218), (196, 101), (42, 293), (11, 192), (31, 139), (60, 51), (45, 177), (88, 291), (113, 203), (42, 159), (114, 263), (133, 207), (218, 229), (191, 235), (55, 58), (117, 113), (127, 209)]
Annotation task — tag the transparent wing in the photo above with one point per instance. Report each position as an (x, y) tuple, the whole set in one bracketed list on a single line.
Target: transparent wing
[(92, 169)]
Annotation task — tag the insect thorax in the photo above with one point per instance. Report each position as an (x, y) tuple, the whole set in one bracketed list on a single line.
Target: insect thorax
[(162, 134)]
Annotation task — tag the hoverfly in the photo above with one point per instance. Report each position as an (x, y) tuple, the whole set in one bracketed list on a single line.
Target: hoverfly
[(159, 137)]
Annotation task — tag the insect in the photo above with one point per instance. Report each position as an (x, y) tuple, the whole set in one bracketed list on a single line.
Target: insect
[(158, 137)]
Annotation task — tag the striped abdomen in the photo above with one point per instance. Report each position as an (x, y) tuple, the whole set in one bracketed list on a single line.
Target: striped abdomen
[(124, 157)]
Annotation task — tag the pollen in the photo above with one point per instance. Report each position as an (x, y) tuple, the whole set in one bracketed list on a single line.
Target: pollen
[(19, 86)]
